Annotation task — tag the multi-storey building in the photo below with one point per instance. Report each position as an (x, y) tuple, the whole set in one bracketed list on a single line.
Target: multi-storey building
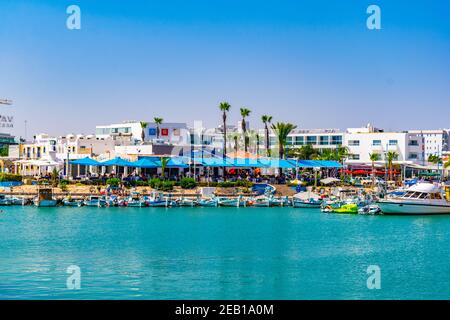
[(435, 141), (362, 142), (169, 133)]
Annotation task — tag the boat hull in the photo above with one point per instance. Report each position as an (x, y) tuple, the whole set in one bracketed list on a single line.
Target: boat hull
[(303, 204), (45, 203), (405, 208)]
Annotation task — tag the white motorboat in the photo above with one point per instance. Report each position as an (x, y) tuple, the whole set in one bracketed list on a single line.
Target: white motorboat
[(419, 199)]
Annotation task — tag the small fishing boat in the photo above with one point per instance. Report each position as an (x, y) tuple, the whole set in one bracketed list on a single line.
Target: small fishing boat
[(113, 201), (135, 200), (347, 208), (18, 201), (187, 202), (70, 202), (45, 198), (260, 201), (95, 201), (370, 209), (208, 202), (4, 200), (280, 202), (308, 203), (232, 202), (157, 200)]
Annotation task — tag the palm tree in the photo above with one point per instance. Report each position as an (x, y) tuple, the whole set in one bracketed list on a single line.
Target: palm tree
[(282, 130), (373, 157), (390, 157), (164, 161), (235, 138), (257, 144), (306, 152), (266, 120), (143, 126), (245, 113), (225, 108), (158, 121), (435, 159), (446, 165)]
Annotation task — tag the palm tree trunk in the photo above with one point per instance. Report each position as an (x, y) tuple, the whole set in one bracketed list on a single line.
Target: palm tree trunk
[(224, 117), (267, 140)]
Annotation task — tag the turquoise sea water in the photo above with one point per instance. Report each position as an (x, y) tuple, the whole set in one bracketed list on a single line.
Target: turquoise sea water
[(220, 253)]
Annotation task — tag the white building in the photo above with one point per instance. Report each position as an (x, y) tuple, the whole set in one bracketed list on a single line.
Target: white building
[(170, 133), (80, 146), (362, 142), (317, 138), (435, 141)]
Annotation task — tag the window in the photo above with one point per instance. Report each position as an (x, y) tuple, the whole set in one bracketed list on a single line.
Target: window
[(336, 140), (413, 143), (354, 157), (311, 140), (376, 142), (413, 156), (323, 140), (393, 142), (300, 140), (353, 143), (289, 141)]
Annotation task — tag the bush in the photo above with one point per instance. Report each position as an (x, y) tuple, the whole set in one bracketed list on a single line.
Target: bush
[(188, 183), (226, 184), (7, 177), (244, 183), (166, 186), (113, 182), (153, 183)]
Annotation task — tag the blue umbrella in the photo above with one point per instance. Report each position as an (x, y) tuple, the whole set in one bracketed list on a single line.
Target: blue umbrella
[(117, 161), (86, 162)]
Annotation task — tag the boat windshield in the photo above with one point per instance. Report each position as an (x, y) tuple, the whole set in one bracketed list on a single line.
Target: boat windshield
[(415, 195)]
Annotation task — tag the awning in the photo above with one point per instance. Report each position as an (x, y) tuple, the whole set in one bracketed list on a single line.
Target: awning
[(117, 162), (316, 163), (144, 163), (86, 162)]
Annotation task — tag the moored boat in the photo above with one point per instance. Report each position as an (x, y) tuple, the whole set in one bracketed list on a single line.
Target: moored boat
[(308, 203), (4, 200), (45, 197), (419, 199), (208, 202), (95, 201), (232, 202), (70, 202)]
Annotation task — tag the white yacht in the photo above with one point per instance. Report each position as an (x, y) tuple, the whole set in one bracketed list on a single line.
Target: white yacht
[(422, 198)]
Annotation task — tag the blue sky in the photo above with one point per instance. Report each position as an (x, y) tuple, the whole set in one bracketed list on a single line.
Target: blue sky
[(313, 63)]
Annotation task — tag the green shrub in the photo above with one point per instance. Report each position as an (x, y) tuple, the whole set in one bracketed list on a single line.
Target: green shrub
[(166, 186), (188, 183), (226, 184), (7, 177), (244, 183), (153, 183), (113, 182)]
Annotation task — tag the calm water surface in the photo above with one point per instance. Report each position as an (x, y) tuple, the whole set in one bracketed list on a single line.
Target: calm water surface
[(220, 253)]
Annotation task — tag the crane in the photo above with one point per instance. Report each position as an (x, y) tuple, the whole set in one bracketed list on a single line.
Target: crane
[(6, 102)]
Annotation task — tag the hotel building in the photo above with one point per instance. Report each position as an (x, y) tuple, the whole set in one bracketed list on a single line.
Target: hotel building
[(361, 142)]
